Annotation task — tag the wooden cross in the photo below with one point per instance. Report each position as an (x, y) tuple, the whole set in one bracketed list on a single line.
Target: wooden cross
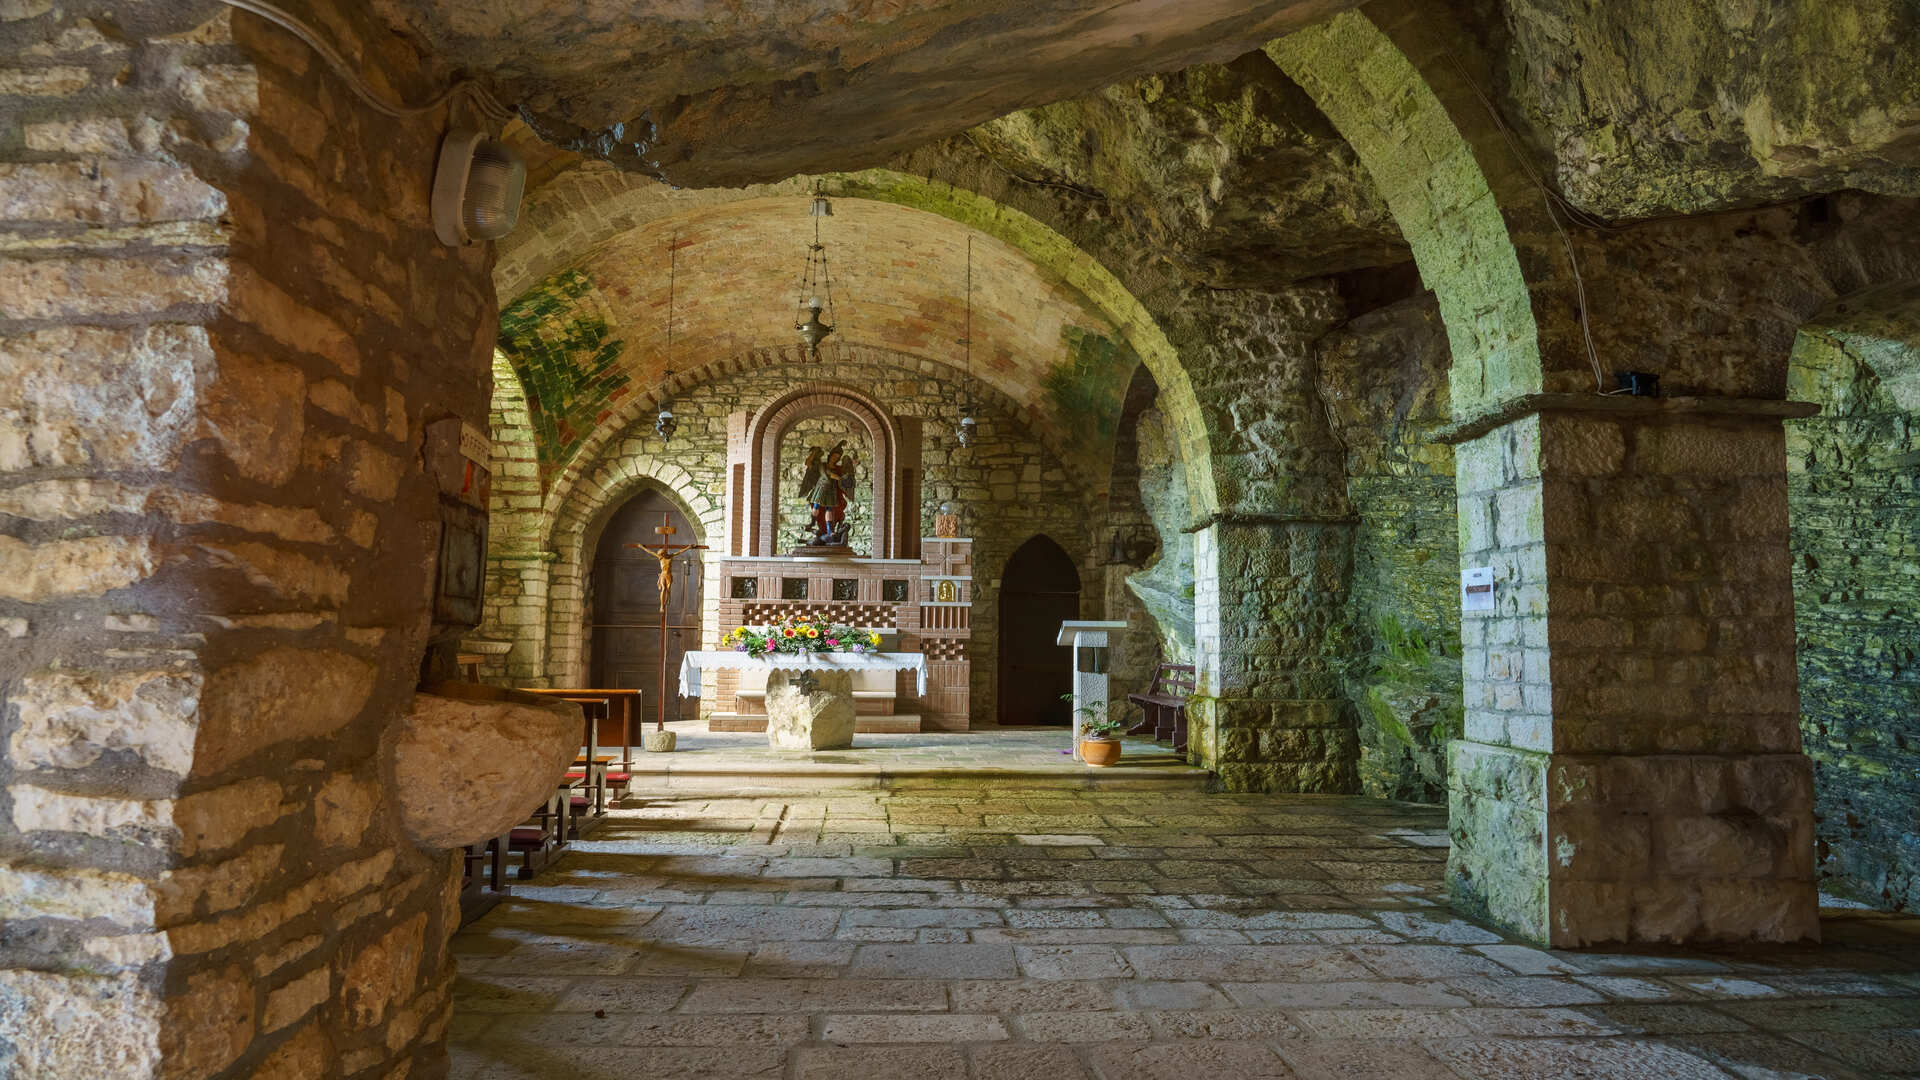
[(665, 551)]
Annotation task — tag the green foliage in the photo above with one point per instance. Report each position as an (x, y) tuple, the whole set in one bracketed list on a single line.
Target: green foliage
[(566, 357), (1088, 386)]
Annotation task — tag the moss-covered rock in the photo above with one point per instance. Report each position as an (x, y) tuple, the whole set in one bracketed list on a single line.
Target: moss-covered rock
[(1225, 170), (1650, 107)]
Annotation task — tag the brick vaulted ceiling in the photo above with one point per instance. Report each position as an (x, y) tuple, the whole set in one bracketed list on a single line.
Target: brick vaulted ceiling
[(590, 335)]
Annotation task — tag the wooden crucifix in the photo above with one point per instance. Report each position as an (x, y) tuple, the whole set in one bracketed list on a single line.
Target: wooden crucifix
[(666, 551)]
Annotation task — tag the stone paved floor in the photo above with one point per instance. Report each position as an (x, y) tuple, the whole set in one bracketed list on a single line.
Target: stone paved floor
[(996, 931)]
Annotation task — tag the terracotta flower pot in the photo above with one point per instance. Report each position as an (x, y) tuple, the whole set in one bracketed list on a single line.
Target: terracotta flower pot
[(1100, 752)]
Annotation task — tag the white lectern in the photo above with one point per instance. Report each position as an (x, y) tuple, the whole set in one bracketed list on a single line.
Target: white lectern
[(1088, 640)]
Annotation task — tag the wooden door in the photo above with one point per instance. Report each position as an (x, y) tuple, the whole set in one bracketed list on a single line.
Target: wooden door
[(1039, 591), (626, 604)]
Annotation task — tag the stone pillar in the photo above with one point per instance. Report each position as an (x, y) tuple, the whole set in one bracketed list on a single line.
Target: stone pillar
[(518, 595), (225, 327), (1631, 769), (1269, 622)]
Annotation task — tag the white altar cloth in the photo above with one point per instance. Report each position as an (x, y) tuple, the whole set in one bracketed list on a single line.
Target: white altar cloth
[(732, 660)]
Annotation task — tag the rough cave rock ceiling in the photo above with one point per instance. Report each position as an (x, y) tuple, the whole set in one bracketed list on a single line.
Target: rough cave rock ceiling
[(588, 335), (1635, 108), (1655, 106), (717, 92)]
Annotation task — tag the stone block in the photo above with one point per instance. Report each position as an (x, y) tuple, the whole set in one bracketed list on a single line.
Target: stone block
[(86, 566), (1599, 845), (1708, 450), (468, 760), (816, 718), (71, 720), (1582, 446), (1776, 910), (1731, 845), (209, 1024), (280, 695), (106, 192), (382, 973), (106, 1026), (293, 1001)]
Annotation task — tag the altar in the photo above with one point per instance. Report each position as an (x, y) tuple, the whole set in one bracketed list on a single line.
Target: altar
[(809, 697), (878, 572)]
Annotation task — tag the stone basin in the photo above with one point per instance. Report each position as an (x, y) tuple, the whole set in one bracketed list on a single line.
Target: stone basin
[(470, 761)]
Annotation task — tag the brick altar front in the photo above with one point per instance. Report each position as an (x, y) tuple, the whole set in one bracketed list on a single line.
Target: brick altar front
[(902, 594)]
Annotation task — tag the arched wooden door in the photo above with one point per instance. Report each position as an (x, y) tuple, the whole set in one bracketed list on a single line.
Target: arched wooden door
[(626, 603), (1039, 591)]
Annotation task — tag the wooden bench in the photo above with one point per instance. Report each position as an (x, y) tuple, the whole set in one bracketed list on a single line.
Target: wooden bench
[(623, 713), (1164, 706), (543, 836), (484, 881)]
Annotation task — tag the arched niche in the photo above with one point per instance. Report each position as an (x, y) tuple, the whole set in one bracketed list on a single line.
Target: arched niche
[(753, 469)]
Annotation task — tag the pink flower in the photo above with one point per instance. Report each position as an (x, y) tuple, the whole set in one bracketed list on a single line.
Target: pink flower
[(833, 643)]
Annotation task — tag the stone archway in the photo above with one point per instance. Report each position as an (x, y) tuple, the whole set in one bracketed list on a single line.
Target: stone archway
[(576, 530), (754, 468), (1852, 516)]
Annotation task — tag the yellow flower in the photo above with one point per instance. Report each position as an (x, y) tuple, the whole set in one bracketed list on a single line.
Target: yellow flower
[(811, 632), (873, 639)]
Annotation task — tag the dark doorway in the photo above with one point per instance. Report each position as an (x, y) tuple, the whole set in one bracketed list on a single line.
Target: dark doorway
[(626, 603), (1039, 591)]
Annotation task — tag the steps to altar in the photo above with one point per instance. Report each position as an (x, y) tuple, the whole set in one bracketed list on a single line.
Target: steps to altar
[(730, 762)]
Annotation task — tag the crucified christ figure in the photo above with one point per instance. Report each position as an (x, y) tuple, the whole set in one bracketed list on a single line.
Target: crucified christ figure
[(666, 552)]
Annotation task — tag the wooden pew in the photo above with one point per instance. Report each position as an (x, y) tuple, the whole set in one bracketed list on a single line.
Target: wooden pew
[(544, 835), (1164, 706), (484, 882), (623, 710)]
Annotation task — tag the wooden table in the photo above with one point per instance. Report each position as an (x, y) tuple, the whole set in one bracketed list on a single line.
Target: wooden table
[(624, 704)]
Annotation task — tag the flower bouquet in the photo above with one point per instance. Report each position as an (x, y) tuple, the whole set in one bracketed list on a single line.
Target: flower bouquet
[(800, 634)]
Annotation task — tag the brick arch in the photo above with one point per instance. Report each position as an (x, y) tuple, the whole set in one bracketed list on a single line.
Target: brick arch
[(587, 207), (1390, 81), (770, 424), (839, 357), (577, 527)]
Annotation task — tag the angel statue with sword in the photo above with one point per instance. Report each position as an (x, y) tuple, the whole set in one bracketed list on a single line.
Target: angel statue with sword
[(829, 485)]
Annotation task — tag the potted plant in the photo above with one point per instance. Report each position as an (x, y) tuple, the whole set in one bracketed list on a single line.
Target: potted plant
[(1099, 737)]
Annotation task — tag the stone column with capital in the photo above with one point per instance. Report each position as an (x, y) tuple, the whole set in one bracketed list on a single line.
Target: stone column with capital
[(1631, 770), (1270, 624)]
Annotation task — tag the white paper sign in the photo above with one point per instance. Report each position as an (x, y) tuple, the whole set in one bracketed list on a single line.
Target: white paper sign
[(1476, 589), (474, 444)]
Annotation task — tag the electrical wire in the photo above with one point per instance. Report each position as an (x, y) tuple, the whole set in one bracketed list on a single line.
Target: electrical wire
[(478, 94), (1551, 199)]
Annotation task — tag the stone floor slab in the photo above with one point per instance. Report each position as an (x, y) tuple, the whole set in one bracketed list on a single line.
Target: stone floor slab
[(1099, 933)]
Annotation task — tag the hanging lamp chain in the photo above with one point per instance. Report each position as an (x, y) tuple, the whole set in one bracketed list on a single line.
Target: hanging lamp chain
[(673, 273), (968, 388)]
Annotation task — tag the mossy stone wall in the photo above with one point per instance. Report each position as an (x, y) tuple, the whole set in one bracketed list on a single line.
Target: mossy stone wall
[(1854, 507)]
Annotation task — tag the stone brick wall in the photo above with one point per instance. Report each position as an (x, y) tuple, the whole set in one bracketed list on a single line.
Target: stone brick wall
[(1855, 517), (224, 325), (1008, 487)]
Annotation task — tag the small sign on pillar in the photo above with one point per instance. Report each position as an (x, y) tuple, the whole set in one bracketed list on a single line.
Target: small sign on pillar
[(1476, 588)]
